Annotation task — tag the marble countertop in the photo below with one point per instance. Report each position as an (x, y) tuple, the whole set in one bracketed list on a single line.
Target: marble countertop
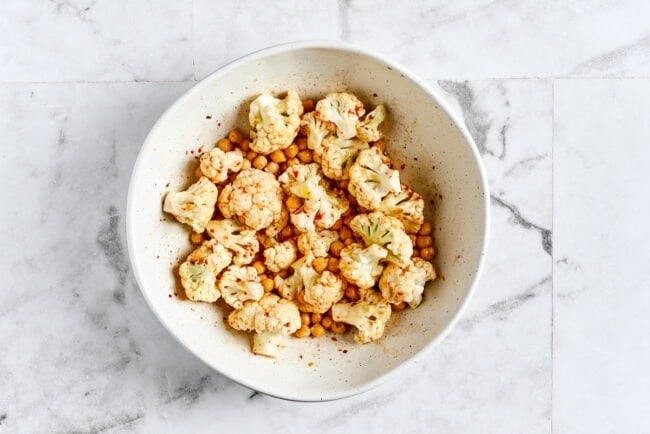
[(557, 97)]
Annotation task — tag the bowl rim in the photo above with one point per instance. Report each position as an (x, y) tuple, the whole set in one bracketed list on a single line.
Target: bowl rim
[(260, 54)]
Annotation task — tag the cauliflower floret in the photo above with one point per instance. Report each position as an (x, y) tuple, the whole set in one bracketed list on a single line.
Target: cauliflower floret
[(362, 266), (316, 243), (255, 197), (371, 179), (271, 317), (216, 164), (200, 270), (320, 294), (239, 239), (386, 231), (194, 206), (406, 283), (368, 129), (279, 223), (315, 129), (319, 290), (407, 205), (369, 315), (342, 109), (275, 121), (280, 256), (321, 207), (338, 155), (238, 284)]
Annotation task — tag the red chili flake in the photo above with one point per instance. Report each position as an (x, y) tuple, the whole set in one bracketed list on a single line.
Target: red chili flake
[(402, 166), (345, 351), (334, 338), (186, 152), (431, 201), (158, 257), (192, 151), (415, 158), (201, 149), (170, 296), (167, 185), (300, 356), (208, 117), (176, 294), (218, 124), (374, 94)]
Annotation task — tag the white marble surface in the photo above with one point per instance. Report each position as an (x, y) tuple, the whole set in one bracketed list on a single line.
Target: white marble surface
[(556, 95)]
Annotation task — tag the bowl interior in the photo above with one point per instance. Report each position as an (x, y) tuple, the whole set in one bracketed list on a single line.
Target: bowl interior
[(438, 161)]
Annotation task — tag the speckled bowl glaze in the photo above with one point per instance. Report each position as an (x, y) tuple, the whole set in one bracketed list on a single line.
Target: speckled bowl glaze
[(439, 161)]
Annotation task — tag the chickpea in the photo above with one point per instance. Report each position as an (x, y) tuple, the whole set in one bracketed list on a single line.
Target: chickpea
[(196, 238), (380, 144), (293, 203), (292, 162), (338, 327), (268, 284), (259, 162), (345, 233), (286, 232), (283, 167), (301, 142), (399, 306), (343, 185), (333, 265), (317, 330), (303, 332), (336, 247), (319, 264), (424, 241), (272, 167), (348, 241), (305, 318), (427, 253), (352, 293), (245, 145), (291, 151), (283, 273), (425, 229), (305, 156), (246, 164), (259, 267), (225, 145), (235, 136), (301, 297), (316, 318), (338, 225), (318, 158), (278, 156), (198, 172), (308, 105), (250, 155), (416, 253), (344, 283), (326, 322), (347, 220)]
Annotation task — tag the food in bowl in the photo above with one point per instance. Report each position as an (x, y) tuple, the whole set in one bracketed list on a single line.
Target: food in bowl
[(305, 228)]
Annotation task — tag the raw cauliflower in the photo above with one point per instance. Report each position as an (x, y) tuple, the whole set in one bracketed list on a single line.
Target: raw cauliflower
[(238, 284), (316, 130), (322, 207), (270, 318), (371, 178), (200, 270), (316, 243), (368, 129), (320, 291), (338, 155), (407, 205), (280, 256), (275, 121), (235, 237), (386, 231), (369, 315), (216, 164), (362, 266), (255, 197), (406, 283), (343, 110), (194, 206)]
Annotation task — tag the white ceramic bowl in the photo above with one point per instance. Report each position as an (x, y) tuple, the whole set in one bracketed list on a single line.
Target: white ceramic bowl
[(440, 162)]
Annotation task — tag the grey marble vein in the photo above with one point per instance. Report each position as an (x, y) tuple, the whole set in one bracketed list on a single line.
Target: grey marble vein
[(546, 234)]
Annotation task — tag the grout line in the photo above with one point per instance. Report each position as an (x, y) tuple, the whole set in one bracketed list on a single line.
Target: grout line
[(192, 42), (554, 244), (10, 82)]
